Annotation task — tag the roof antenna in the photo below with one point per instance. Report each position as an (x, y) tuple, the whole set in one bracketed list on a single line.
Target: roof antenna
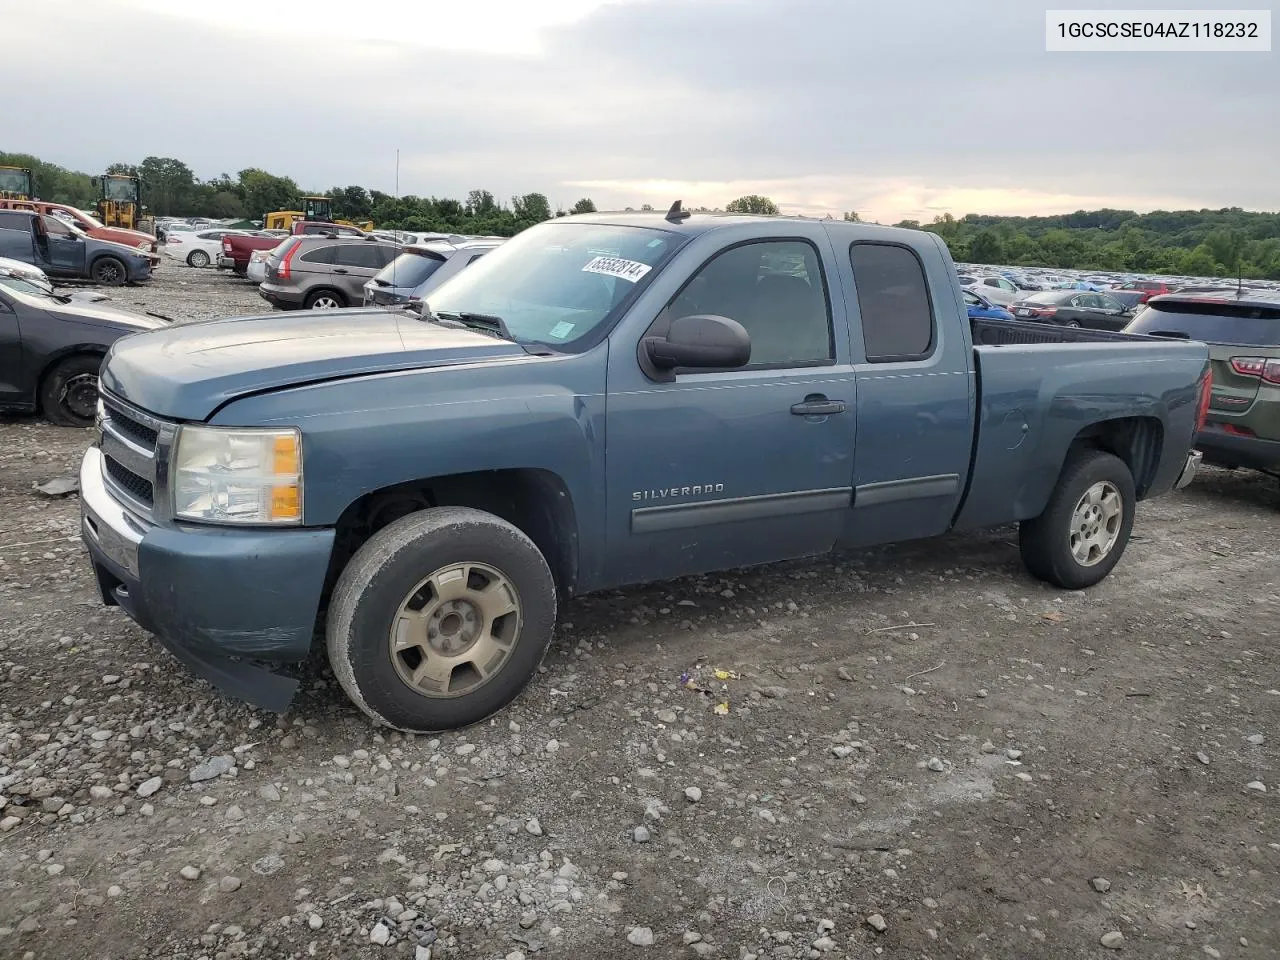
[(675, 214)]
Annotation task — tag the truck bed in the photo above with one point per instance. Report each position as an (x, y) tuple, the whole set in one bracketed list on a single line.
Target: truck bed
[(997, 333)]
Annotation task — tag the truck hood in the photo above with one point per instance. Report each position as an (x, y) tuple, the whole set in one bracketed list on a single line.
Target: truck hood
[(187, 371)]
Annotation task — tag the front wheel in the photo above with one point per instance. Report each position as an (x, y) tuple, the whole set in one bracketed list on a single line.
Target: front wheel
[(1082, 533), (109, 272), (440, 619), (197, 258), (69, 392)]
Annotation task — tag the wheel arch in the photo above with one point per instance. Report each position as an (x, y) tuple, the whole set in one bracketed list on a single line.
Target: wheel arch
[(536, 501), (1138, 441)]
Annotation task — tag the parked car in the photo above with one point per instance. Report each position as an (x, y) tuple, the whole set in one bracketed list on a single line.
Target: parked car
[(980, 307), (323, 273), (197, 249), (1242, 428), (51, 348), (1132, 299), (238, 248), (996, 289), (90, 225), (456, 483), (256, 270), (62, 250), (1073, 308), (1149, 288), (420, 269)]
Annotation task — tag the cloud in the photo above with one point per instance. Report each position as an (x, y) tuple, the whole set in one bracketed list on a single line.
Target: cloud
[(894, 110)]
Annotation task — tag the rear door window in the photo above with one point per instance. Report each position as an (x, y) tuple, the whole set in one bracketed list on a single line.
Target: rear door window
[(326, 255), (364, 256), (893, 298)]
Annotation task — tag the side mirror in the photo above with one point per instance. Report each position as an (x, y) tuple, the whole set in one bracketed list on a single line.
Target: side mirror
[(700, 341)]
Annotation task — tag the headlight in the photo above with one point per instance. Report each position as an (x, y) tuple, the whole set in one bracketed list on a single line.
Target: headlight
[(144, 246), (238, 475)]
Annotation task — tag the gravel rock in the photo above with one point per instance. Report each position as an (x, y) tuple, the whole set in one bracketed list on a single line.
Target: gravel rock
[(1256, 785), (533, 826), (229, 884), (148, 788), (693, 794), (211, 768), (1256, 739), (380, 934), (640, 937), (666, 716), (1113, 940), (189, 872), (936, 765), (640, 834), (877, 923), (988, 747), (1101, 884), (1202, 757), (315, 921)]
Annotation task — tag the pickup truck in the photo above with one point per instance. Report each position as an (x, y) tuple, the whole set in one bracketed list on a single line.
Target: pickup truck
[(602, 400), (237, 248), (63, 250)]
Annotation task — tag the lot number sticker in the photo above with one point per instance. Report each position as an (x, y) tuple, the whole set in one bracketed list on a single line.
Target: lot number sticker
[(630, 270)]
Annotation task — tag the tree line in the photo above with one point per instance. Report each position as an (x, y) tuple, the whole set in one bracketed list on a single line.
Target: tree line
[(1222, 242)]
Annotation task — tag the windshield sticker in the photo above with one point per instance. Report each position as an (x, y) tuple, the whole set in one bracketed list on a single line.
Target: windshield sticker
[(561, 330), (630, 270)]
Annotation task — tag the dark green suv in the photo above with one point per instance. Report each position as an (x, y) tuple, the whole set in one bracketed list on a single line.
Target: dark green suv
[(1243, 334)]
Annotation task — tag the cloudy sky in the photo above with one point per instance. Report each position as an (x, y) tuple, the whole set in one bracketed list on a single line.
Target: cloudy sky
[(893, 108)]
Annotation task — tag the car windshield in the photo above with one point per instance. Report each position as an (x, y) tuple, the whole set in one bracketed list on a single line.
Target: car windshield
[(557, 283), (1247, 324), (24, 285), (410, 269), (91, 219)]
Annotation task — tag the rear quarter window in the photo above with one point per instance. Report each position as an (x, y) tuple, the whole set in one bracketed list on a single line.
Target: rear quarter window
[(1255, 326), (893, 299)]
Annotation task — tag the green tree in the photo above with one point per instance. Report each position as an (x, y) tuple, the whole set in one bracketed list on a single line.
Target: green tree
[(752, 203), (225, 204), (122, 169), (585, 205), (265, 192), (480, 203), (851, 216), (170, 186), (986, 248), (531, 208)]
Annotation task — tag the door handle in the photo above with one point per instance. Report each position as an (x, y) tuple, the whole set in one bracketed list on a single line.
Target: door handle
[(816, 405), (340, 270)]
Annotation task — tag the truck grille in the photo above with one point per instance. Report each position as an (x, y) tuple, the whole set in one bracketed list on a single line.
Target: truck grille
[(135, 446)]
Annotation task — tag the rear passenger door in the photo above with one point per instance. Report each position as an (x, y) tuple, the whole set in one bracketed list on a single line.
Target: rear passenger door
[(356, 263), (915, 392)]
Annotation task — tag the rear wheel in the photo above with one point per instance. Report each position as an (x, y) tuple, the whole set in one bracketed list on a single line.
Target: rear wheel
[(109, 271), (325, 300), (1082, 533), (198, 258), (69, 392), (1073, 323), (440, 619)]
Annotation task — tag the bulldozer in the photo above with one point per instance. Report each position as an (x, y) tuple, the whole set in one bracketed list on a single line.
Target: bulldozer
[(16, 183), (314, 210), (119, 200)]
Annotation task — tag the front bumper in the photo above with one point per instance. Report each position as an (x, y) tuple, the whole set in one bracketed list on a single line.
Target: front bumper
[(1232, 450), (228, 603)]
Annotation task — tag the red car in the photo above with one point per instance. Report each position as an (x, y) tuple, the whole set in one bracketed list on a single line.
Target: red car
[(237, 248), (1149, 288)]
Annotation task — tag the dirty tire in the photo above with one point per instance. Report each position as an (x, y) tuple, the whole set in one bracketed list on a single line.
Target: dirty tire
[(198, 258), (109, 272), (69, 391), (1046, 540), (375, 583), (324, 300)]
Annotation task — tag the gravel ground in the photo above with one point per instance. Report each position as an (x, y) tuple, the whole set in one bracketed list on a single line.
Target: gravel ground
[(925, 754)]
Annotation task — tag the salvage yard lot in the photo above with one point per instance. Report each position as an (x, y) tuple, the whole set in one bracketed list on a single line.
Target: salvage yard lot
[(921, 735)]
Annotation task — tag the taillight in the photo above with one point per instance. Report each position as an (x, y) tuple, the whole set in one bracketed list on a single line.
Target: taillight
[(283, 271), (172, 239), (1271, 373), (226, 245), (1206, 393), (1249, 366)]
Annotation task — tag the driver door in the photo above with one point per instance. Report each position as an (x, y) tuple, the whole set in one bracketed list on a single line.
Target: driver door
[(11, 366), (65, 249)]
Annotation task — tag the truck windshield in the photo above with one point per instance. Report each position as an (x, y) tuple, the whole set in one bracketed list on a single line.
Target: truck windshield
[(557, 283)]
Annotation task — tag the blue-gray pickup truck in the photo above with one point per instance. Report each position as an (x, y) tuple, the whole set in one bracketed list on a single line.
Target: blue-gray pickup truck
[(603, 400)]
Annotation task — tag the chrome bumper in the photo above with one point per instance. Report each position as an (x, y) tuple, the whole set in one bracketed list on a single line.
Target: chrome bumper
[(104, 523), (1189, 469)]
